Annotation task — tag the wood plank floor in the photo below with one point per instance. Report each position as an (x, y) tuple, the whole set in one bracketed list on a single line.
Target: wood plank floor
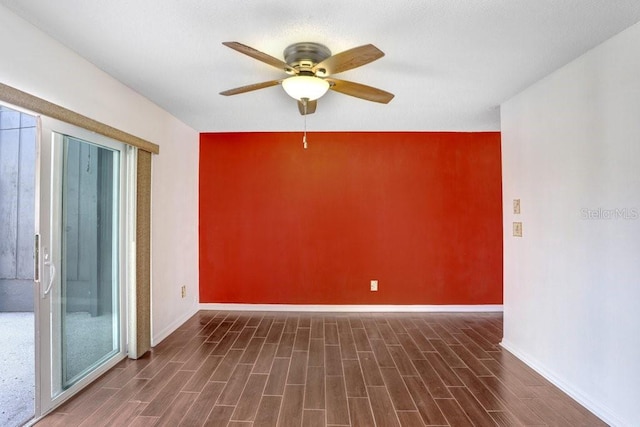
[(326, 369)]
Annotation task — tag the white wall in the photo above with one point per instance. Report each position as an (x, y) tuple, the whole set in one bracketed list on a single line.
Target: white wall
[(571, 142), (35, 63)]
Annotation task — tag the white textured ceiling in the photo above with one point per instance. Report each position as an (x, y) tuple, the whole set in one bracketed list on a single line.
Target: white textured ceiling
[(450, 63)]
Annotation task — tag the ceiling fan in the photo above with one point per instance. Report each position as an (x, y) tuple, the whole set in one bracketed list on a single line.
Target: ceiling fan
[(309, 66)]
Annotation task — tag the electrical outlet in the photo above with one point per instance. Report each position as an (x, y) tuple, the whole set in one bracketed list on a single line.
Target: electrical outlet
[(374, 285), (183, 291), (516, 206)]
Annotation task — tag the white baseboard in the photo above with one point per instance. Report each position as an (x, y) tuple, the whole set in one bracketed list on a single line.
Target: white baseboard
[(602, 412), (156, 338), (353, 308)]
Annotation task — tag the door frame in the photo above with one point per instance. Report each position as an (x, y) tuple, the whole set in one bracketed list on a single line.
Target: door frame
[(139, 220)]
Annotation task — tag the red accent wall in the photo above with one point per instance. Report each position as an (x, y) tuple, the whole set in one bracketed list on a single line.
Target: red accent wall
[(420, 212)]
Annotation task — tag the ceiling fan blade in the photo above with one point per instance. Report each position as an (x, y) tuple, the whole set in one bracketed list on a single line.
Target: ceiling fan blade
[(311, 107), (349, 59), (249, 88), (260, 56), (360, 91)]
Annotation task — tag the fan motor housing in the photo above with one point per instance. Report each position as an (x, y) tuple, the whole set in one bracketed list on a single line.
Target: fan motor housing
[(305, 55)]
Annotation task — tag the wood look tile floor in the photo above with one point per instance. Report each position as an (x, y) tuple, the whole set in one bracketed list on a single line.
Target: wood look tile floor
[(326, 369)]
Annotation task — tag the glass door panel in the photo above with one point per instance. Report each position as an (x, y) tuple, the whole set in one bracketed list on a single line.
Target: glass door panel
[(82, 246), (89, 288)]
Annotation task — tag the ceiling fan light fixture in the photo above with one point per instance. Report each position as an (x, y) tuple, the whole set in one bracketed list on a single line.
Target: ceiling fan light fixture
[(309, 87)]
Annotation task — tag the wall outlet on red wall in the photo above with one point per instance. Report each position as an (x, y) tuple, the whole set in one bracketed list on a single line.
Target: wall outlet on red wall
[(374, 285)]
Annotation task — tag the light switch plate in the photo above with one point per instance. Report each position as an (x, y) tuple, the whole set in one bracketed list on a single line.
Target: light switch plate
[(516, 206), (517, 229)]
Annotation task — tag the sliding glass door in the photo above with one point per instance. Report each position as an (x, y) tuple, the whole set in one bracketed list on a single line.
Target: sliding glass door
[(81, 248), (88, 299)]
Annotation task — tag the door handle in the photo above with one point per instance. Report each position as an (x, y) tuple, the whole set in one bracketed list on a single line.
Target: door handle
[(52, 273)]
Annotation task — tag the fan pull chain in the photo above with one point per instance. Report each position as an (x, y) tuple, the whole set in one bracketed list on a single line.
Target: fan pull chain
[(304, 136)]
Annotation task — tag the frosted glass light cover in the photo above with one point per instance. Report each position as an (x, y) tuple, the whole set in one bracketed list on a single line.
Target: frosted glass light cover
[(309, 87)]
